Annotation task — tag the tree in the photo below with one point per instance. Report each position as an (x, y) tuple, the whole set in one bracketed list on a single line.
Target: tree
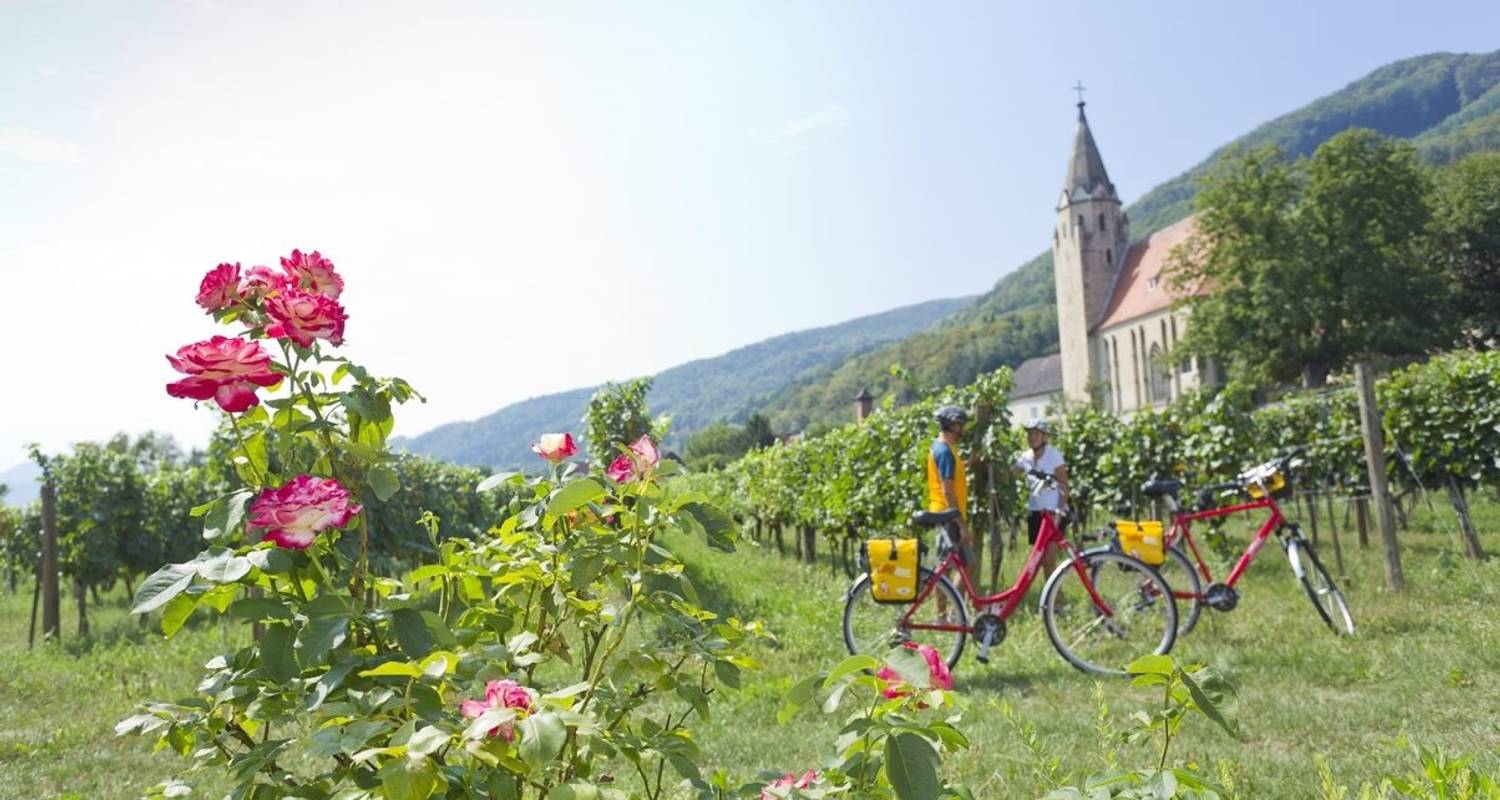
[(1311, 265), (1465, 243), (616, 416), (716, 445), (758, 432)]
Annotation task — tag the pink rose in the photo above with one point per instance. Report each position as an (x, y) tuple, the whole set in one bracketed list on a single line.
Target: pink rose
[(499, 694), (260, 281), (788, 781), (555, 446), (220, 288), (228, 370), (312, 272), (304, 316), (642, 456), (937, 672), (293, 515)]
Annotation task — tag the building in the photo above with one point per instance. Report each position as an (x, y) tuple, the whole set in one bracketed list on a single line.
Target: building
[(1116, 326), (1038, 385)]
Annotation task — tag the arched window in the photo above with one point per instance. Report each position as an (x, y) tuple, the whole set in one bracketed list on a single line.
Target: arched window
[(1160, 382), (1080, 223), (1109, 256), (1101, 222)]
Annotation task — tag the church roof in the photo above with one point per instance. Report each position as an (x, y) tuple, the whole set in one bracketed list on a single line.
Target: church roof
[(1140, 288), (1086, 174), (1038, 376)]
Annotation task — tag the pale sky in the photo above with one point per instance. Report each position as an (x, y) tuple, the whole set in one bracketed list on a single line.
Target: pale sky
[(530, 197)]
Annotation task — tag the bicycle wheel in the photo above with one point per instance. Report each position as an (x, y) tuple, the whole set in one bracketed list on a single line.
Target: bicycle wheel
[(873, 628), (1138, 617), (1187, 586), (1321, 589)]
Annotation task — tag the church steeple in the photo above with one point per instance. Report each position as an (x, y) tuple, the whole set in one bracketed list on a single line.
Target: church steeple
[(1086, 167), (1088, 246)]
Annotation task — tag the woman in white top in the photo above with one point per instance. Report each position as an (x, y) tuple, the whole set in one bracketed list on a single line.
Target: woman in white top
[(1043, 457)]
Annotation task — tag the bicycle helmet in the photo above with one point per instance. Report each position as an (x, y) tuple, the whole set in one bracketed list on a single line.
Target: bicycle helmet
[(1039, 425), (950, 415)]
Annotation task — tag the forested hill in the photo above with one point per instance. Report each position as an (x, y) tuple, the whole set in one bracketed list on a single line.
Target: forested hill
[(1447, 104), (697, 393)]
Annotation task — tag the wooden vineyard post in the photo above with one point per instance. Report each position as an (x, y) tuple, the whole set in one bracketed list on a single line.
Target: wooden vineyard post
[(1465, 522), (1333, 533), (51, 601), (81, 593), (1362, 519), (1385, 518), (810, 544)]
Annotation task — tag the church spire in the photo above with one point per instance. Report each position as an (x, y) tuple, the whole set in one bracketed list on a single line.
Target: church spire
[(1086, 167)]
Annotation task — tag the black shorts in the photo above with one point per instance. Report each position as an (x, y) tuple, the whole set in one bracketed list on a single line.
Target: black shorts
[(1034, 526)]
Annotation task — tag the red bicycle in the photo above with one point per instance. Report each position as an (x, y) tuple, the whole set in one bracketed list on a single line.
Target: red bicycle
[(1258, 487), (1099, 619)]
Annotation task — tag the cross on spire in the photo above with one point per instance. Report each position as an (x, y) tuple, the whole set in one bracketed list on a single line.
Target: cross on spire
[(1078, 87)]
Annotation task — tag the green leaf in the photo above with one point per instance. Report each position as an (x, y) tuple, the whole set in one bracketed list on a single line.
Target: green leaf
[(574, 495), (271, 560), (497, 479), (402, 669), (427, 740), (912, 766), (223, 566), (277, 658), (384, 481), (225, 514), (177, 612), (320, 635), (851, 665), (1151, 665), (910, 665), (1209, 708), (800, 695), (408, 778), (163, 585), (254, 609), (542, 737), (411, 632), (718, 526)]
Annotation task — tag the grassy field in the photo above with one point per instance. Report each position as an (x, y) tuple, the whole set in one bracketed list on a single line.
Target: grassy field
[(1424, 667)]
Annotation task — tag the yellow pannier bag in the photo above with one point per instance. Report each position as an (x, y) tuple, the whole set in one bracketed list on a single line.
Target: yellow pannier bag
[(1142, 540), (893, 569), (1272, 485)]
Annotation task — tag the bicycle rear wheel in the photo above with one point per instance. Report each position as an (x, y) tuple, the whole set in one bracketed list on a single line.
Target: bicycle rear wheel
[(1321, 589), (873, 628), (1138, 615), (1187, 587)]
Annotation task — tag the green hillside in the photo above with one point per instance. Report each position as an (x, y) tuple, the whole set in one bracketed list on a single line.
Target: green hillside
[(1448, 104), (695, 394)]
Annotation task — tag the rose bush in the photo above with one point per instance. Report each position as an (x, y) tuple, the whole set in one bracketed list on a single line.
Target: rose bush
[(570, 617)]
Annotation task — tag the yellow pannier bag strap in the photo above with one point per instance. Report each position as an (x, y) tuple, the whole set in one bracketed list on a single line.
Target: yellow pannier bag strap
[(893, 569)]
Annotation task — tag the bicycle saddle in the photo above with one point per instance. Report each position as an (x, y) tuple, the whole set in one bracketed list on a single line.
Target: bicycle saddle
[(934, 517), (1160, 487)]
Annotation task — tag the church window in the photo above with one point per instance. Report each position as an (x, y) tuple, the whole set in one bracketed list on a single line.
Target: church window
[(1080, 223), (1109, 256), (1101, 222), (1115, 363), (1160, 385)]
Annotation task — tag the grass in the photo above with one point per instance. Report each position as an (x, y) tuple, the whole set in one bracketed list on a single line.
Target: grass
[(1424, 667)]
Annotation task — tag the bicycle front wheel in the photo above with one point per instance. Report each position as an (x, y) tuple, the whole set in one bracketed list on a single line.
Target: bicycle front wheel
[(1129, 612), (873, 628), (1321, 589)]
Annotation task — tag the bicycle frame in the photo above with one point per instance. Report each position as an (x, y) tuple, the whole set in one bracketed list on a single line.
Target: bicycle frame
[(1011, 598), (1181, 531)]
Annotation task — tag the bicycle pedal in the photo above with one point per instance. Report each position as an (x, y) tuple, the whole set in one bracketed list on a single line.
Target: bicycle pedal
[(981, 658)]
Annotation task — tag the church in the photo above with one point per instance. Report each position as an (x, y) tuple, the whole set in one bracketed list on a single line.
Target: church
[(1116, 326)]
